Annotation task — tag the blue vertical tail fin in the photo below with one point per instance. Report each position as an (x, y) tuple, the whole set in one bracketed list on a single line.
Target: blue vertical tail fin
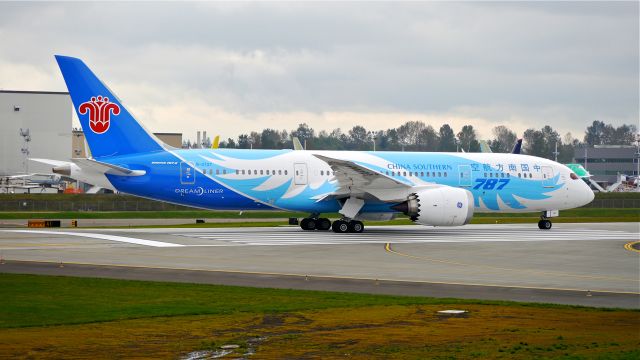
[(108, 126), (516, 147)]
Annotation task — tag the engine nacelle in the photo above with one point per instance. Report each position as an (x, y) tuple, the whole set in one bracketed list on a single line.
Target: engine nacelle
[(441, 206)]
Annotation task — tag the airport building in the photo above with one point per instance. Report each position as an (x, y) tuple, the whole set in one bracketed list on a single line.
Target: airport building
[(606, 162), (38, 124), (79, 145), (33, 124)]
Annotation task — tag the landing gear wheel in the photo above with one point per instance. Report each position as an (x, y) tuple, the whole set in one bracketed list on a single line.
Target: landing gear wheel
[(340, 226), (356, 227), (544, 224), (308, 224), (324, 224)]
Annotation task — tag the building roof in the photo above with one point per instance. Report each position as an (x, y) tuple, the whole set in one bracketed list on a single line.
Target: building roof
[(34, 92)]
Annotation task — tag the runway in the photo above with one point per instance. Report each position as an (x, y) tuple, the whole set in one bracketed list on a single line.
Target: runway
[(587, 264)]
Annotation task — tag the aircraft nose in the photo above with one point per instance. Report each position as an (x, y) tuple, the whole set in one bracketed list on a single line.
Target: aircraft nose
[(587, 194)]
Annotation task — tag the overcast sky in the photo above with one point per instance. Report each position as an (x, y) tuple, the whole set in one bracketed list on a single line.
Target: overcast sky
[(233, 68)]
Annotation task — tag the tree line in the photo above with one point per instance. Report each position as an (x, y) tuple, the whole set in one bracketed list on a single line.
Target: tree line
[(418, 136)]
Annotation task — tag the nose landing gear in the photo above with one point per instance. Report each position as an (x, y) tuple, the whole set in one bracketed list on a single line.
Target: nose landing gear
[(544, 223)]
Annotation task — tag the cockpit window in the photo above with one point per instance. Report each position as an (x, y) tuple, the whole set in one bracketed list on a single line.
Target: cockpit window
[(574, 176)]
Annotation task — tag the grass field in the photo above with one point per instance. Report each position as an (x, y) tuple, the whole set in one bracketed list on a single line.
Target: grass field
[(65, 317)]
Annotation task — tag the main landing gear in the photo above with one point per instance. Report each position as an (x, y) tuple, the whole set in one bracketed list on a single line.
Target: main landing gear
[(315, 224), (338, 226), (342, 226)]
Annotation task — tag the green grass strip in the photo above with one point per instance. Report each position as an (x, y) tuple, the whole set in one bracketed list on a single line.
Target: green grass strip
[(36, 300)]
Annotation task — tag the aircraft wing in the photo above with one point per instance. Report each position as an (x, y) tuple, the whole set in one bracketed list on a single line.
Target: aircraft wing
[(106, 167), (358, 180)]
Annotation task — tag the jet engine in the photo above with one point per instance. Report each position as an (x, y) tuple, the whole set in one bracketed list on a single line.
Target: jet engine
[(440, 206)]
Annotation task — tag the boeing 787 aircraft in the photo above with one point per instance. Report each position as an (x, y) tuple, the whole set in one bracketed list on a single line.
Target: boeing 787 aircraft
[(435, 189)]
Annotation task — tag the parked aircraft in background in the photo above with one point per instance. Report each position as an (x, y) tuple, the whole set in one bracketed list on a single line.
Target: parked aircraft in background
[(30, 181), (484, 147), (438, 189)]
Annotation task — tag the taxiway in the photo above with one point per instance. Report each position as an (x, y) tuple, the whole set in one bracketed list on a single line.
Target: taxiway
[(586, 264)]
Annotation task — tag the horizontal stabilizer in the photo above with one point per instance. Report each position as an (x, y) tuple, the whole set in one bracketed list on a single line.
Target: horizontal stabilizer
[(50, 162), (107, 168)]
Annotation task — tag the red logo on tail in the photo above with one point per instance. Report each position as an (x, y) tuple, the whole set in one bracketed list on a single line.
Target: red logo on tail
[(100, 110)]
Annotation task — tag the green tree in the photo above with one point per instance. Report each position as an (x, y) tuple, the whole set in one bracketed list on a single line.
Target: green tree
[(244, 141), (360, 138), (503, 139), (428, 139), (446, 139), (270, 139), (468, 140), (304, 133)]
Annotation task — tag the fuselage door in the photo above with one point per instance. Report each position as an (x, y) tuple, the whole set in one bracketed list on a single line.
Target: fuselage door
[(300, 173), (465, 175), (547, 176), (187, 174)]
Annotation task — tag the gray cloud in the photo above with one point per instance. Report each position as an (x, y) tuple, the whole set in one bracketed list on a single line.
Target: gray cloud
[(524, 64)]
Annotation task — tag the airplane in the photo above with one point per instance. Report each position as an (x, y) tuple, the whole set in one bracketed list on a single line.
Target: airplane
[(433, 189), (30, 181), (485, 148)]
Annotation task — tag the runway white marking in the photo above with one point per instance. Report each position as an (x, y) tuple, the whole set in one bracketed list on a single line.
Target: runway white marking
[(101, 237), (281, 237)]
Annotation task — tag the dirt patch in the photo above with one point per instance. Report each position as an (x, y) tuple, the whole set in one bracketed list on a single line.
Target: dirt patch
[(389, 332)]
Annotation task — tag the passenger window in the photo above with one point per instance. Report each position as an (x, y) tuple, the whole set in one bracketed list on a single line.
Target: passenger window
[(422, 173), (296, 172), (261, 172), (321, 172), (217, 171), (279, 172), (255, 172), (242, 172), (286, 172), (224, 172), (439, 174), (404, 173), (519, 175), (237, 172), (445, 174)]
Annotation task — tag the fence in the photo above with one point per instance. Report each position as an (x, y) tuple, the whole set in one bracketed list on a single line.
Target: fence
[(116, 204)]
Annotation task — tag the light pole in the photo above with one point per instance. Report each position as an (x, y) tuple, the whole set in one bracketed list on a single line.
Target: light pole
[(637, 155), (26, 138), (585, 156)]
